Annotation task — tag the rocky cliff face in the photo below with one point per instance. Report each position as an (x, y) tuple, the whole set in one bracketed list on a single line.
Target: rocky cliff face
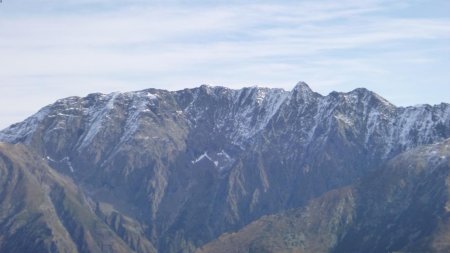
[(190, 165)]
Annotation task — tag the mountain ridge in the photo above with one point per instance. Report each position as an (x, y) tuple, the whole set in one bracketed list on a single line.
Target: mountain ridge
[(195, 163)]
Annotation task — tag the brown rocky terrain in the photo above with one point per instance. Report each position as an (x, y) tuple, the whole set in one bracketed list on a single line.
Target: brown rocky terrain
[(403, 207)]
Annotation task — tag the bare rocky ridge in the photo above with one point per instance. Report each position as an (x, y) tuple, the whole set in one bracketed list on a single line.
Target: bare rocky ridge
[(187, 166)]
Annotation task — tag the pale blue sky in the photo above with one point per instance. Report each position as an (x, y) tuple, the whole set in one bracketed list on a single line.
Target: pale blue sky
[(51, 49)]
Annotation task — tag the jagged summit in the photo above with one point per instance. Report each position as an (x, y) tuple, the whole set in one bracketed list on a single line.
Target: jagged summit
[(302, 87), (239, 113)]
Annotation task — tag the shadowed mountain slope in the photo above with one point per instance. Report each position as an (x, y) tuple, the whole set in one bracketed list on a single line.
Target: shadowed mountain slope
[(403, 207)]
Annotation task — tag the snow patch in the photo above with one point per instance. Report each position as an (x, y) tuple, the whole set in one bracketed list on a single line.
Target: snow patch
[(248, 119), (152, 96), (50, 159), (223, 153), (260, 96), (138, 106), (65, 160), (215, 159), (69, 163), (96, 122), (22, 131), (343, 118), (201, 157)]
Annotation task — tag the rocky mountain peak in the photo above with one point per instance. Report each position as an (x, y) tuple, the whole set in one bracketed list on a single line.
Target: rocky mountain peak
[(303, 93), (367, 95), (302, 87)]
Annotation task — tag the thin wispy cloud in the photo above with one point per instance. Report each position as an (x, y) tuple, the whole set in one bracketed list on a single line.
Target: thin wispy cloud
[(62, 48)]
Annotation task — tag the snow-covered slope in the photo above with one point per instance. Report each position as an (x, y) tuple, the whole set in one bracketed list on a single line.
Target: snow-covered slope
[(241, 114)]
